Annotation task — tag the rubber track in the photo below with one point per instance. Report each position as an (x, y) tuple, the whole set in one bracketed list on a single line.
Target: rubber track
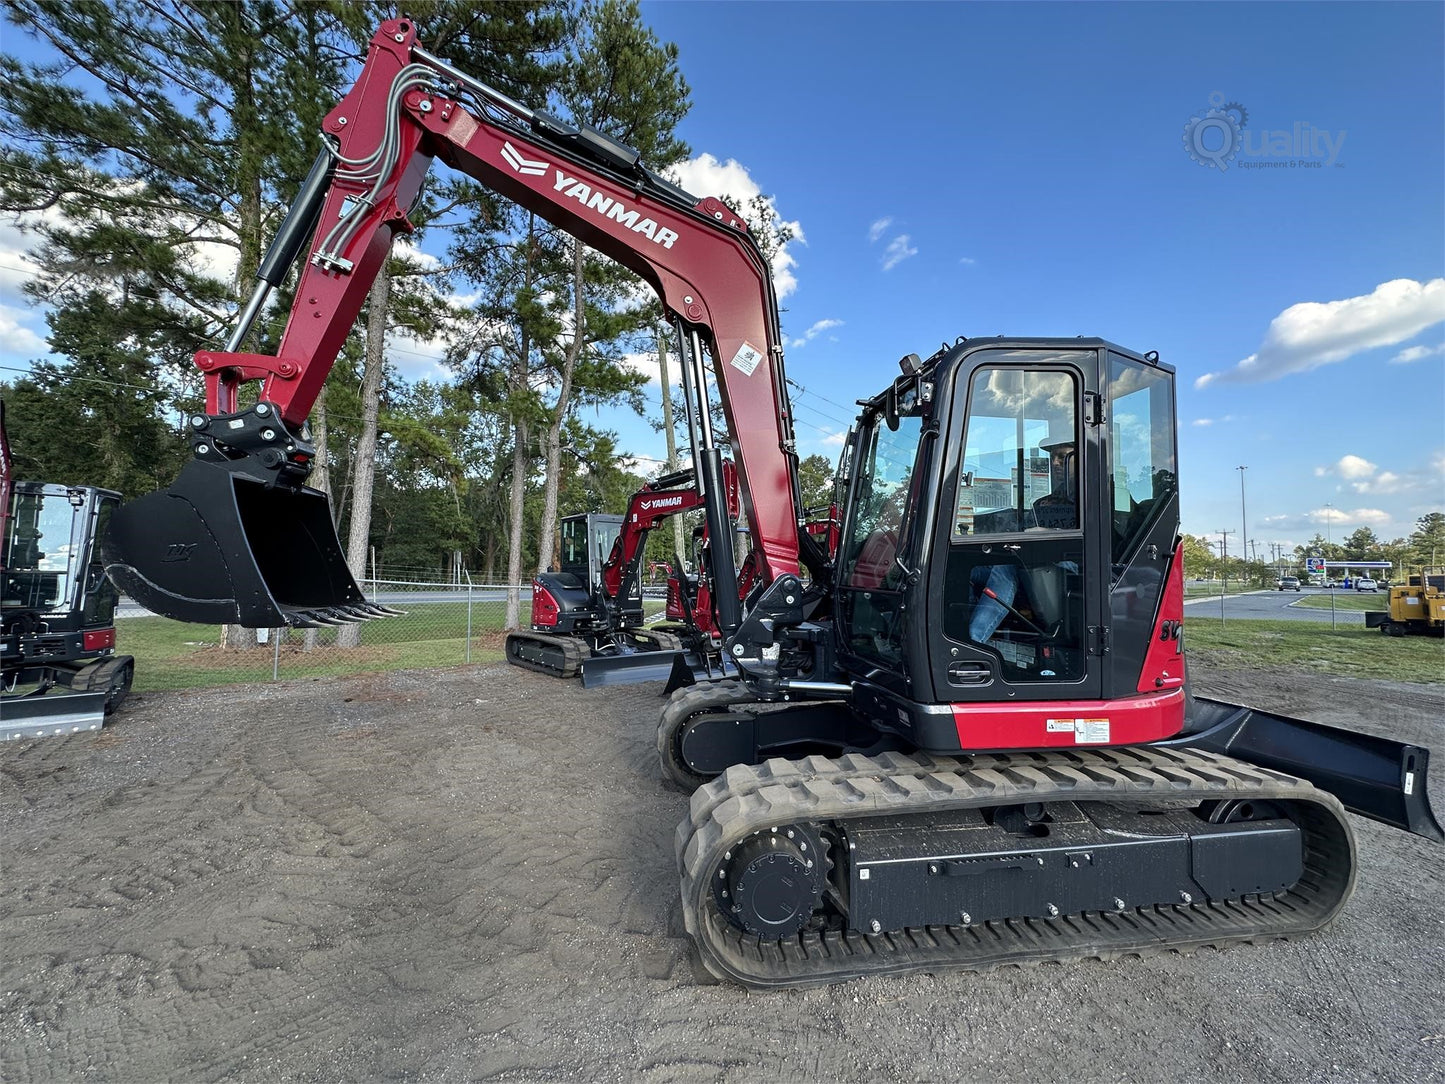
[(681, 706), (745, 799), (656, 639), (567, 650)]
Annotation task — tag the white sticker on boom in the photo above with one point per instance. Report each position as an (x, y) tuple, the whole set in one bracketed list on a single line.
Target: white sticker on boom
[(1059, 726), (747, 358), (1409, 783), (1091, 731)]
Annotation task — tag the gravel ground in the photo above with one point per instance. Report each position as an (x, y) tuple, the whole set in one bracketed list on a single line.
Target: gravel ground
[(468, 874)]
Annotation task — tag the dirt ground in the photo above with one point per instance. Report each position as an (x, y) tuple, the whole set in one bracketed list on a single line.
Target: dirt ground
[(468, 874)]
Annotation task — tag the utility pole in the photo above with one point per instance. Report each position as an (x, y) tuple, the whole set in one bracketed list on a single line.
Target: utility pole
[(1329, 545), (1243, 522), (679, 548), (1224, 565)]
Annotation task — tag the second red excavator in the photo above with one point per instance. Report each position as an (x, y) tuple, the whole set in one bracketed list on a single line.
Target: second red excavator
[(587, 616), (965, 742)]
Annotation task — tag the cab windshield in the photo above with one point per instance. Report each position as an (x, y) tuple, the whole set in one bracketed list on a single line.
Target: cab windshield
[(38, 560)]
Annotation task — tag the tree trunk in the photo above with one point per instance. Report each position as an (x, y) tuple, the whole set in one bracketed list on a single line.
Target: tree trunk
[(678, 542), (320, 479), (364, 462), (514, 527), (559, 411), (248, 225)]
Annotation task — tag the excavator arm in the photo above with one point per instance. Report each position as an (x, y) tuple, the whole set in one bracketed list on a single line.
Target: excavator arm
[(240, 538), (670, 495)]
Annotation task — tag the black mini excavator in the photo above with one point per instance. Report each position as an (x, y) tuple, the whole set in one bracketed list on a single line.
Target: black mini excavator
[(57, 608)]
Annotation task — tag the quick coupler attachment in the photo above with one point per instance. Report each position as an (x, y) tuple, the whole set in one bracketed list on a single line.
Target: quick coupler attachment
[(237, 539)]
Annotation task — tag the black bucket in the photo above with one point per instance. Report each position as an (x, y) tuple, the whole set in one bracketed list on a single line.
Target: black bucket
[(218, 547)]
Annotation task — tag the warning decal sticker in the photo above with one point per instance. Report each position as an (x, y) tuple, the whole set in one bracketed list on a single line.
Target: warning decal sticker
[(747, 358)]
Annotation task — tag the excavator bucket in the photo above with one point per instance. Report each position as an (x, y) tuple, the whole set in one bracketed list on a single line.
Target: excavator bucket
[(218, 547)]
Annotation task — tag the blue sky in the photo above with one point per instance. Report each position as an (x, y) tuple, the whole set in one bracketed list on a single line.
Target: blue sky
[(1033, 158), (984, 169)]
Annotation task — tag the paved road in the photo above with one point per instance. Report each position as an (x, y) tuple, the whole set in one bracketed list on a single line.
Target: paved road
[(1276, 606)]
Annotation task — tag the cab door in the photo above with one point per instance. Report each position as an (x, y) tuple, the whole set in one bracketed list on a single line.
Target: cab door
[(1016, 589)]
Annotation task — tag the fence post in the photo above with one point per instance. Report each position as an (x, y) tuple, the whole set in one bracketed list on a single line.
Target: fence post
[(275, 654), (469, 613)]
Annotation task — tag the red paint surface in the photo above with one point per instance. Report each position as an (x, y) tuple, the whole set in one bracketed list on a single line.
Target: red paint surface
[(1132, 721), (96, 639), (544, 606), (1164, 662)]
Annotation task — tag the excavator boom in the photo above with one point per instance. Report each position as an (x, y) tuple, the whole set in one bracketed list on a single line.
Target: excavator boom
[(240, 538)]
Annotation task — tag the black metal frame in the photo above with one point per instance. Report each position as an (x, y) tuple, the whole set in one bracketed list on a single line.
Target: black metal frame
[(1375, 777)]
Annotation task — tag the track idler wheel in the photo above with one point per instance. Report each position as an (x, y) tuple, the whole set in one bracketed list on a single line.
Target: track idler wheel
[(771, 883)]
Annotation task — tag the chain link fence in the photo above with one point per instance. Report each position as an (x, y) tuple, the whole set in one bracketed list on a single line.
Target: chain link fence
[(443, 624)]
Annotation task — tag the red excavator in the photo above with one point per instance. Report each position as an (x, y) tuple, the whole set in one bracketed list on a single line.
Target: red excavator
[(587, 617), (966, 742)]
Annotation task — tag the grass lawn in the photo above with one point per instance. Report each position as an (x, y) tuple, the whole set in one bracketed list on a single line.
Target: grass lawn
[(175, 655), (1348, 600), (1348, 652)]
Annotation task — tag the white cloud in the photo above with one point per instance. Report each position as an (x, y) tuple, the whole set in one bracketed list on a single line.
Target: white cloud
[(878, 229), (967, 260), (646, 364), (417, 359), (1202, 422), (15, 337), (814, 331), (706, 176), (1333, 516), (1354, 466), (1312, 333), (897, 251), (1417, 353), (1361, 476)]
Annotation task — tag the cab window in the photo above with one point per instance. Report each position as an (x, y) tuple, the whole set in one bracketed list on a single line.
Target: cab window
[(1142, 474), (1020, 468)]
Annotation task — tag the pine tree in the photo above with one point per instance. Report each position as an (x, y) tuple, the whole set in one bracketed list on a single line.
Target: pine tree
[(625, 83)]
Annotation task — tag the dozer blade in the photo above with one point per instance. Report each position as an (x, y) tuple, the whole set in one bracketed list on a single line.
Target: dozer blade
[(220, 548), (50, 716), (630, 668)]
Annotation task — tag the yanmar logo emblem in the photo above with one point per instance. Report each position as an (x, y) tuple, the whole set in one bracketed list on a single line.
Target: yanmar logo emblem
[(599, 202), (178, 551), (524, 166), (660, 502)]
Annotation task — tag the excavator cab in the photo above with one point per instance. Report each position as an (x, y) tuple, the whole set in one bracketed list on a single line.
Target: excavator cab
[(1010, 538)]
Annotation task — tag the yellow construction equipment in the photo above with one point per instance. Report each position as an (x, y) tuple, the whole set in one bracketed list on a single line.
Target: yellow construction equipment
[(1416, 606)]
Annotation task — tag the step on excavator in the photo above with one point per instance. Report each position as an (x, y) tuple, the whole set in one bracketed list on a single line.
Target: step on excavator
[(969, 740), (57, 608), (587, 617)]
